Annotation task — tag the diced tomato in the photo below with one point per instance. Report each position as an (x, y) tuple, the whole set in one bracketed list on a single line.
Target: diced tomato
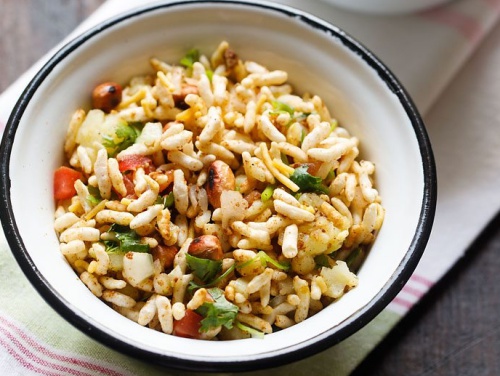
[(64, 182), (133, 162), (189, 325)]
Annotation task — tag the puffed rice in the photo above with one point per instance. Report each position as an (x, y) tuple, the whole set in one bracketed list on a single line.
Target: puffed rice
[(273, 228)]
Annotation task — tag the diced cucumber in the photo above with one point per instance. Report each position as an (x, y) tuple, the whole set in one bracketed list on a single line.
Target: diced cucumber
[(137, 266)]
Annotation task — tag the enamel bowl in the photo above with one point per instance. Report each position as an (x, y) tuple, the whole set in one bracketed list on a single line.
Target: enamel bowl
[(320, 58)]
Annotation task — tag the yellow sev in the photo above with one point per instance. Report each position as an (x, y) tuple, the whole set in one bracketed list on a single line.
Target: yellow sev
[(96, 209), (140, 95), (162, 78), (276, 173), (282, 167)]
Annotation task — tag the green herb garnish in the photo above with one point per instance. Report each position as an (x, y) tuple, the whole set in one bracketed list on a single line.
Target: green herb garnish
[(125, 136), (253, 332), (281, 107), (322, 260), (191, 57), (94, 196), (218, 313), (264, 259), (123, 240), (267, 193), (194, 286), (167, 201), (308, 182), (203, 269)]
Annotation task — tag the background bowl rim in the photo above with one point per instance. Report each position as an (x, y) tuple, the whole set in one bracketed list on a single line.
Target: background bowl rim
[(300, 351)]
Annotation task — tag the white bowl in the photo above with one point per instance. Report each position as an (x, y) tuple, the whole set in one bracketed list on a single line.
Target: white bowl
[(320, 58)]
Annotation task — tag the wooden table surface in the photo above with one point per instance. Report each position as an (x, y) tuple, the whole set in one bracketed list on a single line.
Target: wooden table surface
[(455, 330)]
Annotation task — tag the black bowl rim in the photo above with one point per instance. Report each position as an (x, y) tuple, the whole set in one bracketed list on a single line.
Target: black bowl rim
[(270, 360)]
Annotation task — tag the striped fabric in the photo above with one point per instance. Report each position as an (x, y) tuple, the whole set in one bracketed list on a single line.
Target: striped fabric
[(425, 50)]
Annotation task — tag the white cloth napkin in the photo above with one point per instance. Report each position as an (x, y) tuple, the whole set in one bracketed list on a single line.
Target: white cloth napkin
[(428, 51)]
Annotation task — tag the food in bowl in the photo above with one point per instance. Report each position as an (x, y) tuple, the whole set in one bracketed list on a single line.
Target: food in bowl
[(208, 200), (319, 58)]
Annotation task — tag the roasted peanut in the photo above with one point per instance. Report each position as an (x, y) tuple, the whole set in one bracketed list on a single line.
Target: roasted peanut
[(180, 96), (207, 247), (220, 178), (107, 96), (230, 58), (166, 255)]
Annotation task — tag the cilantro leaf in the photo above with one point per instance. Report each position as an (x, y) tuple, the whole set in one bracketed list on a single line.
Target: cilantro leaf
[(322, 260), (94, 195), (167, 201), (194, 286), (112, 247), (125, 136), (217, 313), (124, 240), (308, 182), (265, 258), (190, 58), (204, 269)]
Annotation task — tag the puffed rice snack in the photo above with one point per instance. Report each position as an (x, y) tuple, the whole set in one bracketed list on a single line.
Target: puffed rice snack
[(208, 200)]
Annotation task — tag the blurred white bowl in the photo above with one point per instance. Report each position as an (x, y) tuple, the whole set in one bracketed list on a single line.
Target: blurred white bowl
[(387, 6), (321, 59)]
